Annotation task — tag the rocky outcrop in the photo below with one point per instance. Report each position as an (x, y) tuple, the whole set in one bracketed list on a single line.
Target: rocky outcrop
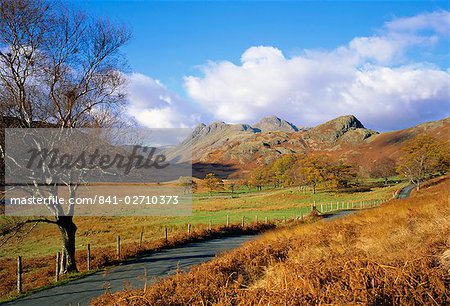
[(345, 128), (275, 124)]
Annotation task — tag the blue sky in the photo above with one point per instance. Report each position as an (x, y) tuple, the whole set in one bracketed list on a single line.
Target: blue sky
[(184, 47), (170, 38)]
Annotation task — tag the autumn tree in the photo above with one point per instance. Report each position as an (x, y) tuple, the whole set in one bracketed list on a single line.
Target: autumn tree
[(63, 69), (340, 174), (314, 169), (422, 157), (259, 177), (213, 182), (280, 169)]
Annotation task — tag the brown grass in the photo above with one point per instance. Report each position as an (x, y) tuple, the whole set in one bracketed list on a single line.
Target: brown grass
[(397, 254)]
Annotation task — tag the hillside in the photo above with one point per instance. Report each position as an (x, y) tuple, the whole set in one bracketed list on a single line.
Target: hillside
[(396, 254), (233, 149)]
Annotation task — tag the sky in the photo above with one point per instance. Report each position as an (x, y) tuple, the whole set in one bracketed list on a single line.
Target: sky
[(386, 62)]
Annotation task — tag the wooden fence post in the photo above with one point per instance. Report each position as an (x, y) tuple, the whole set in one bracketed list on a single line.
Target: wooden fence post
[(166, 234), (89, 257), (19, 274), (63, 261), (228, 220), (209, 225), (189, 229), (57, 266), (256, 219), (118, 247), (141, 238), (265, 220), (243, 221)]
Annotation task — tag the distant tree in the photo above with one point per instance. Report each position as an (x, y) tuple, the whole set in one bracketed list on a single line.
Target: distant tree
[(423, 156), (340, 174), (280, 168), (259, 177), (294, 176), (384, 168), (213, 182), (232, 185), (314, 168), (188, 183)]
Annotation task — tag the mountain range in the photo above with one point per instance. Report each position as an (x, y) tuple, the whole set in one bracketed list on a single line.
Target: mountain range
[(231, 150)]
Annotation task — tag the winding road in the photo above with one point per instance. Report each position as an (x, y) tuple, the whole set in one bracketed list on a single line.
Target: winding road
[(405, 192), (131, 273)]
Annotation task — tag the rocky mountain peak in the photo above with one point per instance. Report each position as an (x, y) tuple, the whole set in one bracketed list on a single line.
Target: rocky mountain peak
[(347, 122), (274, 124), (197, 130), (333, 130)]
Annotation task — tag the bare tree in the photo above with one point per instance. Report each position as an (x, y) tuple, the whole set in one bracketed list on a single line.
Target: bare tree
[(59, 68), (422, 157)]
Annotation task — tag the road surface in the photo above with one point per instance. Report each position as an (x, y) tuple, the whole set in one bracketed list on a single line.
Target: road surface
[(131, 273), (405, 192)]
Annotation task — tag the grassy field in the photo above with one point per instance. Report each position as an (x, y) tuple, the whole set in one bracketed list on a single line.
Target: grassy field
[(396, 254), (102, 231), (39, 247)]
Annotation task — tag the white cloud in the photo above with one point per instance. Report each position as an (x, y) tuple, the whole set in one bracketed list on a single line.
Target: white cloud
[(370, 78), (153, 105), (438, 21)]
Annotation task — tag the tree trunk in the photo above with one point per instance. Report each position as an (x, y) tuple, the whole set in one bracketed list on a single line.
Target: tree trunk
[(68, 230)]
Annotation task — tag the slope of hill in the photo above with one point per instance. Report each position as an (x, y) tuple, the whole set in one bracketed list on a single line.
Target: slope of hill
[(396, 254), (241, 147)]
